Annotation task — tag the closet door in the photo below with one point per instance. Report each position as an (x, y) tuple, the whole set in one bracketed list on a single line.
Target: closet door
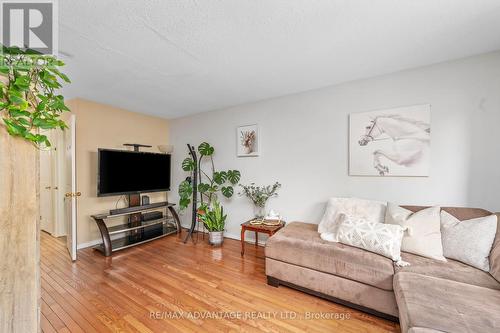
[(46, 190)]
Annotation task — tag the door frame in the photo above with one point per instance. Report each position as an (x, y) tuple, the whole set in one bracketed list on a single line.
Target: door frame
[(71, 237)]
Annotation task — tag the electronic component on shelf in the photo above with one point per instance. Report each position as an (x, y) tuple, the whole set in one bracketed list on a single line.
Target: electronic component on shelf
[(152, 216)]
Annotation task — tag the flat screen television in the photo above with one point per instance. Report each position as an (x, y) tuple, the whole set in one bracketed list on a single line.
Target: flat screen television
[(129, 172)]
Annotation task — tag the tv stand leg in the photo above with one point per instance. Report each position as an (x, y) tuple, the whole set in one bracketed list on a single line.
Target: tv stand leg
[(106, 240), (176, 218)]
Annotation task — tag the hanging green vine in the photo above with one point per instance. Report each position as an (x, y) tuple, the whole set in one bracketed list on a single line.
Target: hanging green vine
[(28, 94)]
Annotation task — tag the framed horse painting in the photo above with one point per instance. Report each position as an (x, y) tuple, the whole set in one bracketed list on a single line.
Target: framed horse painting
[(392, 142)]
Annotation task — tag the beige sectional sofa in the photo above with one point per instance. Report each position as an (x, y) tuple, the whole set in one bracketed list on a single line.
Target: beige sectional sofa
[(426, 296)]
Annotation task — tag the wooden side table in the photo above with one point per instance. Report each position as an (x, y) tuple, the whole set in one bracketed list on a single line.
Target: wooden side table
[(266, 229)]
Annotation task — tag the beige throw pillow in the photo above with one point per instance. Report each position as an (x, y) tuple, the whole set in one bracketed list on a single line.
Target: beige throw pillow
[(469, 241), (423, 236)]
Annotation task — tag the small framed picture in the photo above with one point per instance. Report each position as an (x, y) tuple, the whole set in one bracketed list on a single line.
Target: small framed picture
[(248, 141)]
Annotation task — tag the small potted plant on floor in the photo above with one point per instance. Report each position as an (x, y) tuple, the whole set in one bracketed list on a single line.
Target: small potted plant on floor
[(215, 221)]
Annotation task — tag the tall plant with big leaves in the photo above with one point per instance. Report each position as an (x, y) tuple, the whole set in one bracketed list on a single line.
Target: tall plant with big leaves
[(29, 101), (211, 182)]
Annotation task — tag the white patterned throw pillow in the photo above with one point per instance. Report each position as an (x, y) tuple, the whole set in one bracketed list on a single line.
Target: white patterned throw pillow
[(380, 238)]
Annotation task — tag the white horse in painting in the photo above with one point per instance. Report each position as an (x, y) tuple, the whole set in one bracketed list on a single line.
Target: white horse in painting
[(410, 137)]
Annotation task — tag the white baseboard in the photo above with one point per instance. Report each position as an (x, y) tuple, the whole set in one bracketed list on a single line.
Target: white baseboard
[(226, 234), (247, 239), (95, 242), (88, 244), (237, 237)]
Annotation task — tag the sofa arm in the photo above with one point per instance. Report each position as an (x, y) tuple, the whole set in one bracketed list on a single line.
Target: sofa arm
[(495, 253)]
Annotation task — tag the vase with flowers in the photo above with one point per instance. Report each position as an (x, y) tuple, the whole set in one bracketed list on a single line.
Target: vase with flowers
[(259, 195)]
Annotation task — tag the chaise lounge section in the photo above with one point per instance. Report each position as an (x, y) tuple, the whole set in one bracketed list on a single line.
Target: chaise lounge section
[(296, 255), (427, 296)]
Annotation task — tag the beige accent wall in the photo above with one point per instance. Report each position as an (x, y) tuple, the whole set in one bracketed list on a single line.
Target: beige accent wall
[(104, 126)]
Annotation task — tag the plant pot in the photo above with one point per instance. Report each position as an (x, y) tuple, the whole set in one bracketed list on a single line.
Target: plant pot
[(259, 212), (199, 215), (215, 237)]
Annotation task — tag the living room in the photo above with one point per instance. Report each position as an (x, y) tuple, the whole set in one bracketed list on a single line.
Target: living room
[(250, 166)]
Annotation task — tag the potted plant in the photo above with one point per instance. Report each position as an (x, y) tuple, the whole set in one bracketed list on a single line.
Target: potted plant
[(259, 196), (209, 183), (215, 221)]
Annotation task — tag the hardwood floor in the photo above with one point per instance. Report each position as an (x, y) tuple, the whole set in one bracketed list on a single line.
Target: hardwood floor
[(168, 286)]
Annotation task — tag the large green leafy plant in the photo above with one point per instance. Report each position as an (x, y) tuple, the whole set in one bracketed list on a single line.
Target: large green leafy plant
[(214, 218), (210, 182), (28, 94)]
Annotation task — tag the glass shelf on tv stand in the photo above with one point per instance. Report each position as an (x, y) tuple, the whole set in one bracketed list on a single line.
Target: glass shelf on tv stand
[(121, 228), (137, 232), (147, 234)]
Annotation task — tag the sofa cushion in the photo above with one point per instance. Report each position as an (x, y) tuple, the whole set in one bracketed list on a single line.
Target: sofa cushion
[(352, 207), (468, 241), (461, 213), (300, 244), (445, 305), (381, 238), (342, 289), (423, 236), (450, 270)]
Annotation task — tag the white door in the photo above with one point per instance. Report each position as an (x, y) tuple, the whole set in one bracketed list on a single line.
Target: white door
[(70, 186), (46, 191)]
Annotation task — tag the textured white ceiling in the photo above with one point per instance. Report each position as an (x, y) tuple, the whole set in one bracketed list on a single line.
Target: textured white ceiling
[(177, 57)]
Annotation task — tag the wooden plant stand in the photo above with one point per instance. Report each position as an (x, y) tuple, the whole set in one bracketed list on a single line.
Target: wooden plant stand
[(266, 229)]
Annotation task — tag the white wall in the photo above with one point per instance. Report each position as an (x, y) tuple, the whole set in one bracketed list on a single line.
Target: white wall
[(305, 141)]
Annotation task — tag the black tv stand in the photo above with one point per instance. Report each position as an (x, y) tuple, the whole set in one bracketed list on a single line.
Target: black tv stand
[(137, 231)]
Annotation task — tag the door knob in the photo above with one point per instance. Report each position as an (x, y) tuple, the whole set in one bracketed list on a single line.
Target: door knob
[(47, 187), (56, 188), (78, 194), (68, 195)]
